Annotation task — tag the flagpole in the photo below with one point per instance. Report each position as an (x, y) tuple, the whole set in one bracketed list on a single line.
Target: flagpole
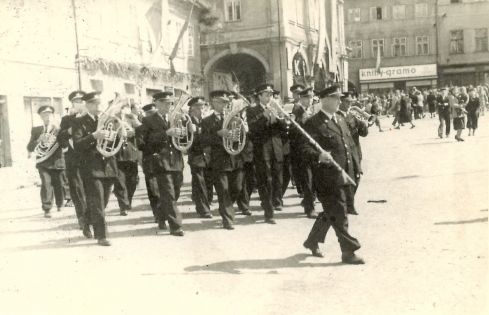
[(77, 56), (279, 46)]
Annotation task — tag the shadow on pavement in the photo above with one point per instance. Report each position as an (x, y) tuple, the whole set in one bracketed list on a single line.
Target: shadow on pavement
[(479, 220), (234, 266)]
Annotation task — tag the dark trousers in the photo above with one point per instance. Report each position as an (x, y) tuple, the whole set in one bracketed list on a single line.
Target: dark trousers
[(98, 192), (444, 117), (77, 192), (286, 174), (269, 179), (51, 188), (228, 187), (305, 180), (66, 186), (334, 215), (249, 182), (169, 185), (125, 185), (200, 192), (153, 192), (350, 197), (294, 163), (209, 184)]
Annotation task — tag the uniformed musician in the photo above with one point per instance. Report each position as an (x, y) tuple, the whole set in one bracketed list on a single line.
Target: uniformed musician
[(199, 160), (294, 156), (266, 129), (50, 170), (72, 159), (165, 161), (331, 132), (227, 168), (98, 172)]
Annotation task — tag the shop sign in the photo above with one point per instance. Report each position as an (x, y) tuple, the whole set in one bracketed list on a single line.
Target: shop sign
[(402, 72)]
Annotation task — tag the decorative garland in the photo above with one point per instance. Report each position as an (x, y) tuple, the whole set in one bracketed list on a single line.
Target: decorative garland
[(137, 72)]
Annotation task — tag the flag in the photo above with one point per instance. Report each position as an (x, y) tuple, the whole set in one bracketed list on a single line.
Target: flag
[(179, 39), (154, 19), (377, 65)]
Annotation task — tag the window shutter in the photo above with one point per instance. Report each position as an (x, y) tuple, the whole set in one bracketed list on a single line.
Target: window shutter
[(385, 13)]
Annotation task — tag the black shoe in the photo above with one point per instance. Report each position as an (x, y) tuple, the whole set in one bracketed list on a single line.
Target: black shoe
[(47, 214), (206, 216), (351, 258), (123, 213), (103, 242), (315, 251), (312, 215), (413, 126), (178, 232), (270, 221), (277, 208), (59, 209), (69, 203), (246, 212), (228, 226), (352, 211), (162, 225), (87, 232)]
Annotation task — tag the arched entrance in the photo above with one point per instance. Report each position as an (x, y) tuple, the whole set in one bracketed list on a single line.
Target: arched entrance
[(226, 70)]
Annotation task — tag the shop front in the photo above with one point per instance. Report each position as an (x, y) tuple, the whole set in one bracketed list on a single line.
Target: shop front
[(397, 78)]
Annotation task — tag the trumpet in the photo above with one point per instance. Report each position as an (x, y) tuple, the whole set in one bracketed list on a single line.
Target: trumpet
[(47, 145), (236, 141), (361, 114), (182, 123), (115, 128)]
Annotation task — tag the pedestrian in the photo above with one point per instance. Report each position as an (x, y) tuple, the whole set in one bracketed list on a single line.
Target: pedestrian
[(473, 109), (431, 100), (405, 112), (457, 103), (331, 132), (444, 113), (50, 161)]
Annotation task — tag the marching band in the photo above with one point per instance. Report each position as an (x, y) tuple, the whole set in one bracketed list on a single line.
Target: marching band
[(237, 148)]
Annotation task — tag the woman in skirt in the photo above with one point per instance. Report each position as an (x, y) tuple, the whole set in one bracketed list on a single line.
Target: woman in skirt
[(472, 108), (458, 113), (405, 112)]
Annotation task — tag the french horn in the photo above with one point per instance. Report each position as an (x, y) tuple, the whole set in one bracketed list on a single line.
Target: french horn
[(182, 123), (237, 127), (115, 128), (47, 145)]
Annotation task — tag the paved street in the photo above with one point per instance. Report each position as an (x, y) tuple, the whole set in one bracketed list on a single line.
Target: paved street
[(426, 247)]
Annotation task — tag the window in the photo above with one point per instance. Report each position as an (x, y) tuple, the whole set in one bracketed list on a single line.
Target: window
[(375, 13), (356, 49), (421, 10), (190, 43), (457, 42), (377, 44), (399, 12), (232, 10), (481, 39), (422, 45), (354, 15), (399, 47)]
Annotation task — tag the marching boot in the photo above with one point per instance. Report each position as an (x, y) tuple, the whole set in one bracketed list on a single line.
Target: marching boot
[(351, 259)]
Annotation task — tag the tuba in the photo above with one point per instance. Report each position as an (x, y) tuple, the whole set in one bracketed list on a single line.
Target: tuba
[(47, 145), (361, 114), (236, 141), (116, 130), (182, 122)]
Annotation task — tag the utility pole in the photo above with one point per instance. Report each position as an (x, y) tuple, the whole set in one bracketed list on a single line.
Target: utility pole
[(77, 56)]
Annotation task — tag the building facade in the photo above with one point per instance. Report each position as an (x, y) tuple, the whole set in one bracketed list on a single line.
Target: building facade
[(463, 42), (423, 43), (392, 44), (112, 45), (275, 41)]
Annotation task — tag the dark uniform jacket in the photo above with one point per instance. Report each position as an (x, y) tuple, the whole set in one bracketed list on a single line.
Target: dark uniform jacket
[(72, 159), (220, 159), (56, 161), (358, 128), (159, 154), (295, 136), (92, 163), (198, 154), (334, 138), (128, 151), (266, 138)]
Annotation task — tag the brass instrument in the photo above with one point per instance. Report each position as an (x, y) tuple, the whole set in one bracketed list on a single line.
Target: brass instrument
[(237, 127), (182, 123), (116, 133), (47, 145), (361, 114)]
